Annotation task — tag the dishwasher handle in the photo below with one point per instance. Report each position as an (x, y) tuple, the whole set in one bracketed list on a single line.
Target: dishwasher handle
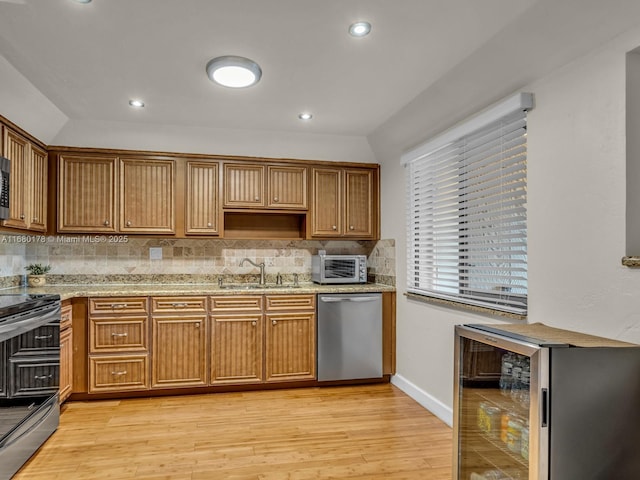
[(348, 299)]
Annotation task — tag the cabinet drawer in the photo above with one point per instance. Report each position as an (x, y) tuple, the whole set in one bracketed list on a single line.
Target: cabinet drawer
[(242, 303), (33, 376), (118, 334), (66, 317), (290, 302), (116, 374), (40, 341), (179, 304), (120, 305)]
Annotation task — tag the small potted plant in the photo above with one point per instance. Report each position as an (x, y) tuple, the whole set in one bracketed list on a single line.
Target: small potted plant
[(37, 272)]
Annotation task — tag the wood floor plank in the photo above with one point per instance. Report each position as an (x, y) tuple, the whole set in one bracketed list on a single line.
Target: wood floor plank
[(360, 432)]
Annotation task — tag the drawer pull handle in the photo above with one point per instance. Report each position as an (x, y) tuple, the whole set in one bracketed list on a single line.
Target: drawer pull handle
[(119, 373), (118, 305), (125, 334), (43, 377), (179, 305), (43, 337)]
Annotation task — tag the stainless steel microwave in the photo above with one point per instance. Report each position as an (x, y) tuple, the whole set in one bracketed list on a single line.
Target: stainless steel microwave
[(339, 268)]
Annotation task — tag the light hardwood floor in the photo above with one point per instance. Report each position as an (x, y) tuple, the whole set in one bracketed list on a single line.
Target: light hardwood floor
[(362, 432)]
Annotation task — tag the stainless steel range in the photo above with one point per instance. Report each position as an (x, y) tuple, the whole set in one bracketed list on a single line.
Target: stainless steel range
[(29, 376)]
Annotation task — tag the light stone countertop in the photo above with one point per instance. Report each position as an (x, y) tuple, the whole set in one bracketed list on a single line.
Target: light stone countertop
[(164, 289)]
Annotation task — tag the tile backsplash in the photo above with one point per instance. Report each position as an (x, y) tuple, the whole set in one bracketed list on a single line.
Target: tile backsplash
[(104, 259)]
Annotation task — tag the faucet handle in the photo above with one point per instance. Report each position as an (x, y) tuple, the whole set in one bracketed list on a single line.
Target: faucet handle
[(219, 281)]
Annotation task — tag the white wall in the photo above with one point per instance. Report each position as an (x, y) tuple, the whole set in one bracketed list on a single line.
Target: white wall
[(253, 143), (576, 216), (24, 105)]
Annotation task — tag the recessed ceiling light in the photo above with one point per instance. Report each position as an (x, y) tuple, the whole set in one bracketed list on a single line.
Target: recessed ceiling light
[(136, 103), (234, 72), (360, 29), (305, 116)]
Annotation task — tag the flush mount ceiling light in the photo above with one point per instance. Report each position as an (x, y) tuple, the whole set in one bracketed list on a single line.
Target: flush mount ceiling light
[(305, 116), (136, 103), (359, 29), (82, 1), (234, 72)]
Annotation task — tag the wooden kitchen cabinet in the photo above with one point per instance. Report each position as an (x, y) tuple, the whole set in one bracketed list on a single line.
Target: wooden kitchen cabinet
[(179, 342), (147, 201), (27, 184), (118, 344), (344, 203), (66, 351), (87, 193), (281, 187), (290, 338), (202, 202), (236, 339)]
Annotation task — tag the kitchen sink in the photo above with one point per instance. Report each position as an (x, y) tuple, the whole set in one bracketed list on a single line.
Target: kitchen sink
[(253, 286)]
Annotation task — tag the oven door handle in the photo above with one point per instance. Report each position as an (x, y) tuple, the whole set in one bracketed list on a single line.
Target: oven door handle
[(32, 320)]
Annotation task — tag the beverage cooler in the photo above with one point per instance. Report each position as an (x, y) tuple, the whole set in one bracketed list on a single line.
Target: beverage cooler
[(533, 402)]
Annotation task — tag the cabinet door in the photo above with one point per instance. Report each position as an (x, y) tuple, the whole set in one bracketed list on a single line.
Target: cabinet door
[(359, 203), (16, 149), (326, 203), (287, 187), (290, 346), (66, 363), (118, 373), (38, 211), (236, 349), (243, 186), (179, 355), (87, 194), (146, 196), (202, 201)]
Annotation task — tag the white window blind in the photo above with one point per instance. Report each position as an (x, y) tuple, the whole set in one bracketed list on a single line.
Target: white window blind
[(467, 219)]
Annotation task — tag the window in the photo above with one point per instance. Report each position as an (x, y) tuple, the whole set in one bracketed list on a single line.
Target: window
[(466, 211)]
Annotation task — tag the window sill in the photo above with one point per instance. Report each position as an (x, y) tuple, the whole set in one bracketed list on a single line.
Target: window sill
[(464, 306)]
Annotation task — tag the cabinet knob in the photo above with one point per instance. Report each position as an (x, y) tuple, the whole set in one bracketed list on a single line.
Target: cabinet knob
[(35, 219), (22, 216), (274, 322), (350, 227), (128, 223), (257, 199), (106, 223), (275, 199), (209, 224), (254, 323), (334, 227)]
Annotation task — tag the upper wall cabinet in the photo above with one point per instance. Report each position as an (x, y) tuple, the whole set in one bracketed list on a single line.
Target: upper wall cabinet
[(147, 196), (91, 188), (260, 186), (27, 184), (344, 203), (201, 202), (87, 194)]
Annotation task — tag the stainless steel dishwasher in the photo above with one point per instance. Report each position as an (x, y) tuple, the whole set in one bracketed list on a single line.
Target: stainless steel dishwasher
[(349, 336)]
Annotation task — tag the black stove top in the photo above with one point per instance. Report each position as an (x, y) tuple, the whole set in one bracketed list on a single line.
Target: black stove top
[(18, 303)]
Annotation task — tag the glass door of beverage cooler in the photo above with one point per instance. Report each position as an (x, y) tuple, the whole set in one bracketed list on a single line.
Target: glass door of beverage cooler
[(500, 430)]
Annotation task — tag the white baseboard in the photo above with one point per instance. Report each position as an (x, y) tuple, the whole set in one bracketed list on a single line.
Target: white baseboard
[(429, 402)]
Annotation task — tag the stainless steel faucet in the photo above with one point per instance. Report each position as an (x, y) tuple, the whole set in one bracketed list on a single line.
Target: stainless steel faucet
[(259, 265)]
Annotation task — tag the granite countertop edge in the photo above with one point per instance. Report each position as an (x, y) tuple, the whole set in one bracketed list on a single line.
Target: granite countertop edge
[(132, 290)]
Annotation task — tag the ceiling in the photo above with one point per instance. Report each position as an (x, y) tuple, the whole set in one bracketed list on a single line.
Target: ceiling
[(89, 60)]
